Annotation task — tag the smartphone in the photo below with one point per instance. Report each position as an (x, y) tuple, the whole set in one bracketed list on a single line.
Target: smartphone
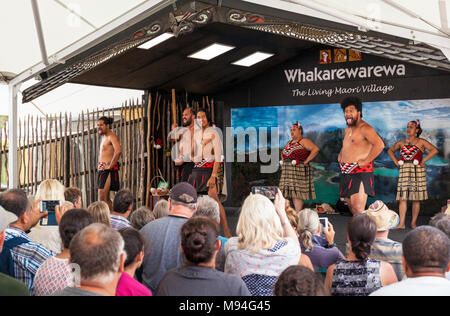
[(268, 191), (49, 206), (324, 222)]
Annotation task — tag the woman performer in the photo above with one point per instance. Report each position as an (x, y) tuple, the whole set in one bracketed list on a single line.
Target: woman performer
[(208, 172), (412, 182), (296, 180)]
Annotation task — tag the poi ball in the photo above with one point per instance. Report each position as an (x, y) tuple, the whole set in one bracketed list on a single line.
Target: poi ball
[(294, 162), (401, 162), (281, 162), (415, 162)]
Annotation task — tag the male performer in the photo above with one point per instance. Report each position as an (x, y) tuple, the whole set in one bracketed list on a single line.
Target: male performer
[(360, 147), (185, 137), (108, 165)]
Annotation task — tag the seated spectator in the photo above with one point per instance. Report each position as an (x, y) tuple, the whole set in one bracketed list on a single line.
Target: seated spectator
[(366, 275), (321, 251), (442, 222), (74, 196), (299, 281), (8, 285), (265, 246), (99, 252), (48, 236), (426, 253), (122, 206), (198, 277), (134, 249), (385, 249), (100, 212), (292, 215), (55, 274), (162, 250), (209, 207), (141, 217), (436, 218), (21, 258), (161, 209)]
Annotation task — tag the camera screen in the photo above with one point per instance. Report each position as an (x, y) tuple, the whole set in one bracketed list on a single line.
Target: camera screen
[(269, 191), (48, 206)]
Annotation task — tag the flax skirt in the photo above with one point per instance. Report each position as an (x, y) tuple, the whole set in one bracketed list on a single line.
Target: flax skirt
[(297, 182), (412, 183)]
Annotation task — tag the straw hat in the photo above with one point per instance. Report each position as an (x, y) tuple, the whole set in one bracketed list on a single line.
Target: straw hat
[(383, 217)]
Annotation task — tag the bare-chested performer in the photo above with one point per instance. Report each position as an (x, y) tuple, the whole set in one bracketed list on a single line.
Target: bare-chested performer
[(184, 138), (360, 147), (108, 161)]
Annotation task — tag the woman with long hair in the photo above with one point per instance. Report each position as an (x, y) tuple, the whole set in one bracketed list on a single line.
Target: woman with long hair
[(412, 181)]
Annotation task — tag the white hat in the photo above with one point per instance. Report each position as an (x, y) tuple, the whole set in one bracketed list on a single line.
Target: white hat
[(383, 217), (6, 218)]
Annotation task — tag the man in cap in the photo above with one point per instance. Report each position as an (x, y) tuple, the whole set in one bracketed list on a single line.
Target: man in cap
[(8, 285), (162, 250), (383, 248)]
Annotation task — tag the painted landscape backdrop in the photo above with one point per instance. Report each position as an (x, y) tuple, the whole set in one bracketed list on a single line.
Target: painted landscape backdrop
[(324, 124)]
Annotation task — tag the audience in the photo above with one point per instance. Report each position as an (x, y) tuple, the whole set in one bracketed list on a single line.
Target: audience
[(162, 251), (122, 206), (299, 281), (426, 254), (161, 209), (366, 275), (141, 217), (321, 251), (100, 212), (385, 249), (98, 250), (198, 276), (74, 196), (265, 246), (21, 258), (8, 285), (55, 274), (442, 222), (48, 236), (134, 249)]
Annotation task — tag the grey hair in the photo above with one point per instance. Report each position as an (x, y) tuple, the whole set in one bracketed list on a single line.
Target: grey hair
[(141, 217), (208, 207), (161, 208), (190, 206), (96, 250), (307, 226)]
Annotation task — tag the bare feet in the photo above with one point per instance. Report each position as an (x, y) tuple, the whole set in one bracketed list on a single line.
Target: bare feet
[(400, 227), (413, 225)]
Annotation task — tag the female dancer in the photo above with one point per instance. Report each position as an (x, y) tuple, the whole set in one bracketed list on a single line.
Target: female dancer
[(296, 180), (412, 182)]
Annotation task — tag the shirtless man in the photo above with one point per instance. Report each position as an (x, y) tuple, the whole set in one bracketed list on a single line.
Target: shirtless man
[(360, 147), (108, 165), (184, 159)]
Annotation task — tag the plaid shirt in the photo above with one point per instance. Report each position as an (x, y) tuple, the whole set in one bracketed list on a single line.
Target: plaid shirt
[(118, 222), (27, 257)]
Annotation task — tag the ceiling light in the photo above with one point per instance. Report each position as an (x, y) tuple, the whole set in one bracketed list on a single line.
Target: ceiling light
[(211, 51), (252, 59), (157, 40)]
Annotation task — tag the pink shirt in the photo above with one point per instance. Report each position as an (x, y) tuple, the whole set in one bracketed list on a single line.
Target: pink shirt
[(128, 286), (54, 275)]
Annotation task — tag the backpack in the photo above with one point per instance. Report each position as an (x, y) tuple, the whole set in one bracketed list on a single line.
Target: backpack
[(6, 258)]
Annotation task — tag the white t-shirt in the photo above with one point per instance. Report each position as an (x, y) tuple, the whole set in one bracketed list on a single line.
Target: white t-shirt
[(422, 286)]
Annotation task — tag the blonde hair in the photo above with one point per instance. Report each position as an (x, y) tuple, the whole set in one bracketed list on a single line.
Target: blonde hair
[(51, 189), (161, 208), (259, 226), (291, 215), (100, 212), (307, 226)]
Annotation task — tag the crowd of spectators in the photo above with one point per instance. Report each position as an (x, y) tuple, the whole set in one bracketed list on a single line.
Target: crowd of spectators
[(176, 249)]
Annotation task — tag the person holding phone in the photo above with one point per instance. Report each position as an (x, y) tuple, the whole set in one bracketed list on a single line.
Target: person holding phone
[(412, 180), (296, 180)]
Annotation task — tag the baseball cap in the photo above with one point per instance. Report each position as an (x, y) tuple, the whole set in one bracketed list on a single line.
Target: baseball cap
[(383, 217), (183, 192), (6, 218)]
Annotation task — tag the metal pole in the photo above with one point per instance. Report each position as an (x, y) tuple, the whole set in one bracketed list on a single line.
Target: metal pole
[(40, 33), (12, 137)]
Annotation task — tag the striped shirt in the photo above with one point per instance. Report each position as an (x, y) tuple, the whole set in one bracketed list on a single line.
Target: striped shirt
[(118, 222), (384, 249), (27, 257)]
